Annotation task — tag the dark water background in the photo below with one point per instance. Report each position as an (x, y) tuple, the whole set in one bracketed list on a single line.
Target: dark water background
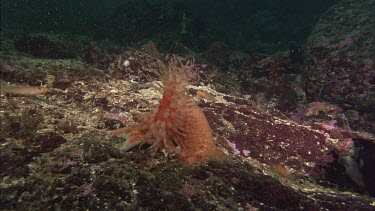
[(248, 25)]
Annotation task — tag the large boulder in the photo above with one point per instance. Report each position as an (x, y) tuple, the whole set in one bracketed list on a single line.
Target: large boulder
[(340, 56)]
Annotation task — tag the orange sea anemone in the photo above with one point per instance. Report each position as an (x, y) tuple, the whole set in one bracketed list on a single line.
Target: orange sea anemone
[(177, 126)]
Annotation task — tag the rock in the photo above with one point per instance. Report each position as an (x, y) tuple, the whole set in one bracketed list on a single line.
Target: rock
[(42, 46), (339, 56)]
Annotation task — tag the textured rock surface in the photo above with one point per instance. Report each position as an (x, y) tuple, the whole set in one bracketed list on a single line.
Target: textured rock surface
[(267, 135), (65, 162), (340, 56)]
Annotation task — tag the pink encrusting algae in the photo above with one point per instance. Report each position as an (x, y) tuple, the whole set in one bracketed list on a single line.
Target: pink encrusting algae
[(177, 126)]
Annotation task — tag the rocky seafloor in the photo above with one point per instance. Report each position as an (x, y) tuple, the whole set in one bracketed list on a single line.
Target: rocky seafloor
[(55, 153), (290, 143)]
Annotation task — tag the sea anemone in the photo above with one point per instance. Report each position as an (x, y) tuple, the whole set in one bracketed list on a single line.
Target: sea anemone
[(177, 126)]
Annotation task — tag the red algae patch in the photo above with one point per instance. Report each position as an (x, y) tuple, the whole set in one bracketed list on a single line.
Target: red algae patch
[(177, 126)]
